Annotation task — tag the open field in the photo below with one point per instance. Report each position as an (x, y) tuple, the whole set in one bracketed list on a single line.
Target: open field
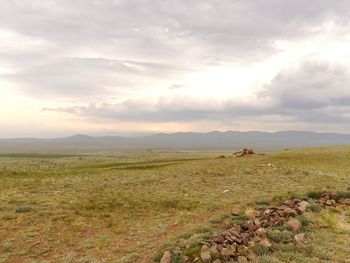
[(123, 207)]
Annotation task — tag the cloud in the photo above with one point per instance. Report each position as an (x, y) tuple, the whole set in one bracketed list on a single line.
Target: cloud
[(179, 60), (315, 91), (311, 85), (83, 47), (82, 77), (162, 29)]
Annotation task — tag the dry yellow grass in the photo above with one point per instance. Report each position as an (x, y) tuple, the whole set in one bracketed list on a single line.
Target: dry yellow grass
[(121, 208)]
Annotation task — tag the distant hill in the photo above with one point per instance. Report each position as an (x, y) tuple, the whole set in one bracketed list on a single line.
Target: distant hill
[(186, 141)]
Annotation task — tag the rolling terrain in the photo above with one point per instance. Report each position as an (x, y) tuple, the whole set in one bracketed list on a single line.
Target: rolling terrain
[(128, 206), (181, 140)]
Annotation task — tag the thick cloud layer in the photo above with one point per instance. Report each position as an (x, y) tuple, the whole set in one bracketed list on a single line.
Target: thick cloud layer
[(179, 61)]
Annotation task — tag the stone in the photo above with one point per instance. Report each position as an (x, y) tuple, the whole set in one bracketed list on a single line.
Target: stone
[(329, 203), (219, 247), (205, 254), (214, 251), (242, 259), (229, 251), (166, 258), (257, 222), (265, 242), (235, 212), (293, 224), (300, 238), (345, 202), (251, 256), (217, 261), (245, 238), (234, 232), (226, 224), (243, 250), (187, 260), (219, 239), (303, 206), (261, 232), (289, 212)]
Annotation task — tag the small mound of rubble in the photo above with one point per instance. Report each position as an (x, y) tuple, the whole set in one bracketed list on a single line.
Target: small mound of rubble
[(244, 152), (237, 243)]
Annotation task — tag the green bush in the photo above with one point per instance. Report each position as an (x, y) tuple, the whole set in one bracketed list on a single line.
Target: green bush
[(303, 220), (313, 207), (261, 250), (23, 209), (240, 219), (177, 258), (342, 195), (262, 202), (219, 219), (315, 195), (277, 236)]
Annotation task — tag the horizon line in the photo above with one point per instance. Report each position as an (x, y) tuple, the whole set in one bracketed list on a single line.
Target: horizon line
[(167, 133)]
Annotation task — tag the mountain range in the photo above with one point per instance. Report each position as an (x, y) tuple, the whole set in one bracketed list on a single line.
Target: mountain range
[(185, 141)]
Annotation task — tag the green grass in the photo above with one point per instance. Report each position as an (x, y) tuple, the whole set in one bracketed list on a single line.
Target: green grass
[(314, 207), (108, 207), (277, 236)]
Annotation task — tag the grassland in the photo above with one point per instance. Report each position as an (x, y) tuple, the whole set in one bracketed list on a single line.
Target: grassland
[(123, 207)]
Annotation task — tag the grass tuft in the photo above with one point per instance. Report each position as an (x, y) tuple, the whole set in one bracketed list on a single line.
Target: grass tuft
[(315, 194), (277, 236), (314, 207), (23, 209), (261, 250), (342, 195)]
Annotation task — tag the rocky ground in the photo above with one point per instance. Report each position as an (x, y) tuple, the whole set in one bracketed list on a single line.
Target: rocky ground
[(244, 242), (244, 152)]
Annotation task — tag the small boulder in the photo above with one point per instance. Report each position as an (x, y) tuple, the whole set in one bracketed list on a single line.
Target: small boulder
[(287, 212), (300, 238), (229, 251), (166, 258), (328, 202), (303, 206), (235, 212), (214, 251), (243, 250), (187, 260), (226, 224), (251, 256), (261, 232), (265, 242), (242, 259), (205, 254), (219, 239), (293, 224)]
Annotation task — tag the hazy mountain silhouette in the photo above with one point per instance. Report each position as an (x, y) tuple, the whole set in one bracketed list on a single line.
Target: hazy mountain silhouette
[(186, 140)]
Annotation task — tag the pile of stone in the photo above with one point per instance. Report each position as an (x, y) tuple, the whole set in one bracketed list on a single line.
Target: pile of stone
[(244, 152), (237, 243)]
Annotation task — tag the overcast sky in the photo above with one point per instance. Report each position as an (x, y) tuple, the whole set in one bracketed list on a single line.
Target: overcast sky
[(106, 67)]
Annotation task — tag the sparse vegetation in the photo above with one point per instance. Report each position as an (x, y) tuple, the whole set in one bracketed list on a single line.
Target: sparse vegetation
[(278, 236), (314, 207), (122, 208)]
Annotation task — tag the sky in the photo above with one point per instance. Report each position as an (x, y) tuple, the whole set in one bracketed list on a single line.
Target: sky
[(128, 67)]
